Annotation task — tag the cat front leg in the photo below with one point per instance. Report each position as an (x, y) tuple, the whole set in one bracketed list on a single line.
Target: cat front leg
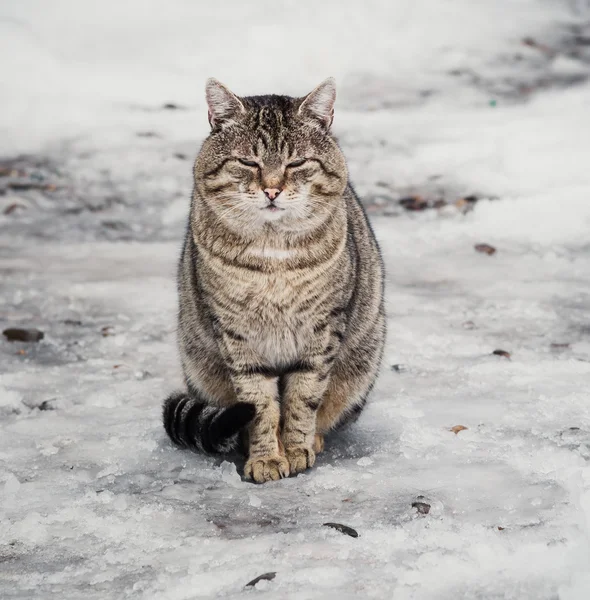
[(304, 389), (302, 396), (256, 385), (266, 458)]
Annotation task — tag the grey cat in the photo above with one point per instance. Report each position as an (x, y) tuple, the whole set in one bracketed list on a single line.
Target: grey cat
[(281, 320)]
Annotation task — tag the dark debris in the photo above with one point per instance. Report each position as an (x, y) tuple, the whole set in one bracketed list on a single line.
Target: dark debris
[(264, 577), (17, 334), (343, 529), (421, 506), (485, 249)]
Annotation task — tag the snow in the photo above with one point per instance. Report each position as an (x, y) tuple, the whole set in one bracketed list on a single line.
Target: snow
[(95, 501)]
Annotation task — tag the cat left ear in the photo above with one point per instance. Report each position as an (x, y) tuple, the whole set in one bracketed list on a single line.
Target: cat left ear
[(319, 104), (224, 106)]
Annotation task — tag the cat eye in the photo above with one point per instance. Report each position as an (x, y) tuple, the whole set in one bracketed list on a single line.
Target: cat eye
[(297, 163), (248, 163)]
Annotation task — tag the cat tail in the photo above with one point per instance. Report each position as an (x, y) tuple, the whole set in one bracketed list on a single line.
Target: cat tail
[(192, 423)]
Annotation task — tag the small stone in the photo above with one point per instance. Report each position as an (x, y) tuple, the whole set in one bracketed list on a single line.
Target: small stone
[(502, 353), (16, 334), (414, 203), (343, 529), (421, 507), (263, 577), (457, 428), (485, 249), (399, 368), (466, 203), (46, 404)]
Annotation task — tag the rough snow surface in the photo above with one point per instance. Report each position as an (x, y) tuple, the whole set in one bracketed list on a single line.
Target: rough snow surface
[(94, 500)]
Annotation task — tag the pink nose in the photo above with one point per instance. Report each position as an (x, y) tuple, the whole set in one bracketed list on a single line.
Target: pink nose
[(272, 193)]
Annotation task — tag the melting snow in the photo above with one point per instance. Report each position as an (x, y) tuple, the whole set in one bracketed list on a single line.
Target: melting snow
[(437, 98)]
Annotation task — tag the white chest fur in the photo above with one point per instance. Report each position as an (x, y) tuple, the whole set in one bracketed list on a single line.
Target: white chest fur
[(269, 252)]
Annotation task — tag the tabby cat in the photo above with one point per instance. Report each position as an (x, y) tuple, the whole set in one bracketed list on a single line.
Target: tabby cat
[(281, 321)]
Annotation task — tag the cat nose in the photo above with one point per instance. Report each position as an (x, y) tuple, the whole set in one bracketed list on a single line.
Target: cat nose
[(272, 193)]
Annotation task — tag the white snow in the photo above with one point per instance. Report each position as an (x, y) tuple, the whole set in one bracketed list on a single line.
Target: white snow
[(95, 502)]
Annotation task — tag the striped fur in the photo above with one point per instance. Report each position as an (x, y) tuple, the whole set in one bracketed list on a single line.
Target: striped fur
[(281, 320)]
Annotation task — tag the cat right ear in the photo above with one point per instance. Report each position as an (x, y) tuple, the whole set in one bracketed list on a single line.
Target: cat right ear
[(318, 105), (224, 106)]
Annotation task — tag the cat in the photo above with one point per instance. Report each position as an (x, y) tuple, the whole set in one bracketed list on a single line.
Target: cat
[(281, 319)]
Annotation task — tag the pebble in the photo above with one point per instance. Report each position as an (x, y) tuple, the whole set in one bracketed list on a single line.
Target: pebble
[(414, 203), (485, 249), (421, 507), (457, 428), (343, 529), (16, 334)]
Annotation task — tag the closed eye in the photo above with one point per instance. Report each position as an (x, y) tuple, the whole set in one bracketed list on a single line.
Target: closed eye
[(248, 163), (297, 163)]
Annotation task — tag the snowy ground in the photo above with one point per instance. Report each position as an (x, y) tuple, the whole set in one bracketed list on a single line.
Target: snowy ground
[(438, 99)]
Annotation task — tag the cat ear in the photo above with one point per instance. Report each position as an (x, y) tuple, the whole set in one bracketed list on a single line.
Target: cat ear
[(319, 104), (224, 106)]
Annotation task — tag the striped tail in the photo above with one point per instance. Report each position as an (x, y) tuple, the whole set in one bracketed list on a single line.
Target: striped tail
[(192, 423)]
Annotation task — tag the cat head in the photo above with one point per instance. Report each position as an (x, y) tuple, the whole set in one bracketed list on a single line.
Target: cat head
[(270, 161)]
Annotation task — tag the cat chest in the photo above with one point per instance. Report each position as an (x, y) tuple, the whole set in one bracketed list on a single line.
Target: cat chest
[(273, 319), (275, 328), (277, 345)]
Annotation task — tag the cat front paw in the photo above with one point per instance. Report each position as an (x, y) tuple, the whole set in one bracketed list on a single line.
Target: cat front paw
[(300, 458), (266, 468)]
